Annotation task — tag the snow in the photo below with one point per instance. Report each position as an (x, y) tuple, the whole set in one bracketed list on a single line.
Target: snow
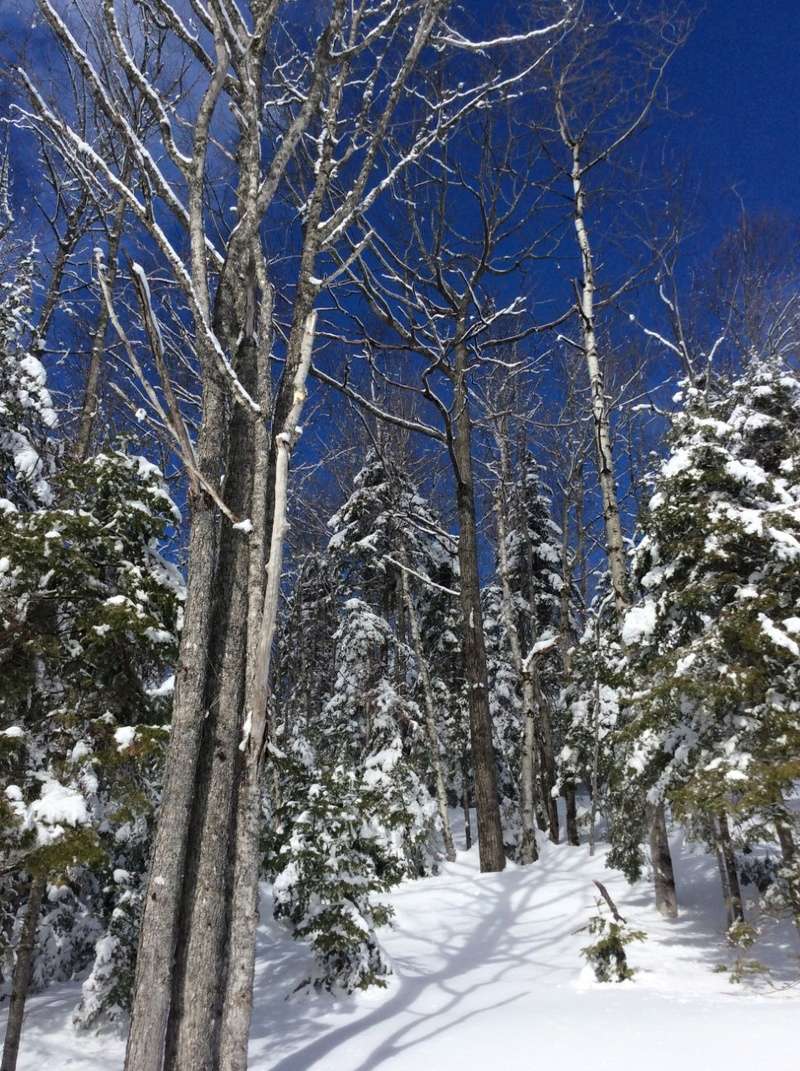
[(779, 638), (124, 737), (158, 635), (167, 687), (59, 805), (639, 623), (747, 471), (488, 972), (677, 463)]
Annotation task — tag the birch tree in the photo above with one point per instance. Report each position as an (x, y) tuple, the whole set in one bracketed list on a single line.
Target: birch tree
[(600, 103)]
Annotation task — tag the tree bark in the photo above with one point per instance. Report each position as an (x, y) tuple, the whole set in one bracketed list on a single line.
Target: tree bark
[(262, 617), (573, 836), (490, 831), (565, 637), (615, 546), (465, 806), (196, 1014), (663, 874), (791, 862), (729, 874), (544, 727), (547, 765), (152, 989), (666, 899), (23, 970)]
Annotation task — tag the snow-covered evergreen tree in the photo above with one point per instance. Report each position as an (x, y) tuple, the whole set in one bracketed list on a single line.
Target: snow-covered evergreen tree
[(525, 601), (27, 415), (589, 718), (356, 814), (713, 714), (89, 610)]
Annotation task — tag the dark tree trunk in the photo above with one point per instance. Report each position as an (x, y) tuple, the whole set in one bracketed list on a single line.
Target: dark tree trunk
[(791, 862), (23, 970), (663, 875), (547, 767), (729, 874), (490, 832), (465, 805), (573, 836), (91, 390)]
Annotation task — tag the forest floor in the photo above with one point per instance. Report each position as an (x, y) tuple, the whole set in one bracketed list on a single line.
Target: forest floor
[(488, 976)]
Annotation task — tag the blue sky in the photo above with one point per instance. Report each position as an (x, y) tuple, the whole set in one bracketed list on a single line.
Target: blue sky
[(736, 110), (736, 88), (739, 79)]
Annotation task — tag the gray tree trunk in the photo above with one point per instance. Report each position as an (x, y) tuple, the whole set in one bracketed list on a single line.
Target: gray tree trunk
[(729, 874), (152, 989), (196, 1013), (23, 969), (663, 875), (262, 617), (490, 831)]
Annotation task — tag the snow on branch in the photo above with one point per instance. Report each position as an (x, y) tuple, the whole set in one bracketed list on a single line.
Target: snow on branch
[(457, 40), (420, 576)]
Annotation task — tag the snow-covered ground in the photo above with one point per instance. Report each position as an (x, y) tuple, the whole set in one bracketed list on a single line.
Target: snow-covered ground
[(489, 977)]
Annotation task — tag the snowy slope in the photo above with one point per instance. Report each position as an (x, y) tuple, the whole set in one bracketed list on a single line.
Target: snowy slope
[(488, 977)]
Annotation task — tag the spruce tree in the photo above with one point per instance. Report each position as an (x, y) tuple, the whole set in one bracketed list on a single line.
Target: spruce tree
[(89, 612), (712, 708)]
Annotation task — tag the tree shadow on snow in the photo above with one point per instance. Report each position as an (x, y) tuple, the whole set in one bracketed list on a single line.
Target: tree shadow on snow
[(490, 940)]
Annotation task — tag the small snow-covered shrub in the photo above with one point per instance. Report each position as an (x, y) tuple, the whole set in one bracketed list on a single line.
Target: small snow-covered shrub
[(606, 956)]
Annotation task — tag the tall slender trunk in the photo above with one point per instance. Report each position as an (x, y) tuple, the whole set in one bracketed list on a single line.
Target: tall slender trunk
[(23, 970), (544, 727), (573, 836), (263, 610), (663, 875), (615, 546), (430, 711), (152, 990), (465, 807), (490, 830), (565, 642), (196, 1013), (547, 763), (728, 871), (791, 862), (529, 851)]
